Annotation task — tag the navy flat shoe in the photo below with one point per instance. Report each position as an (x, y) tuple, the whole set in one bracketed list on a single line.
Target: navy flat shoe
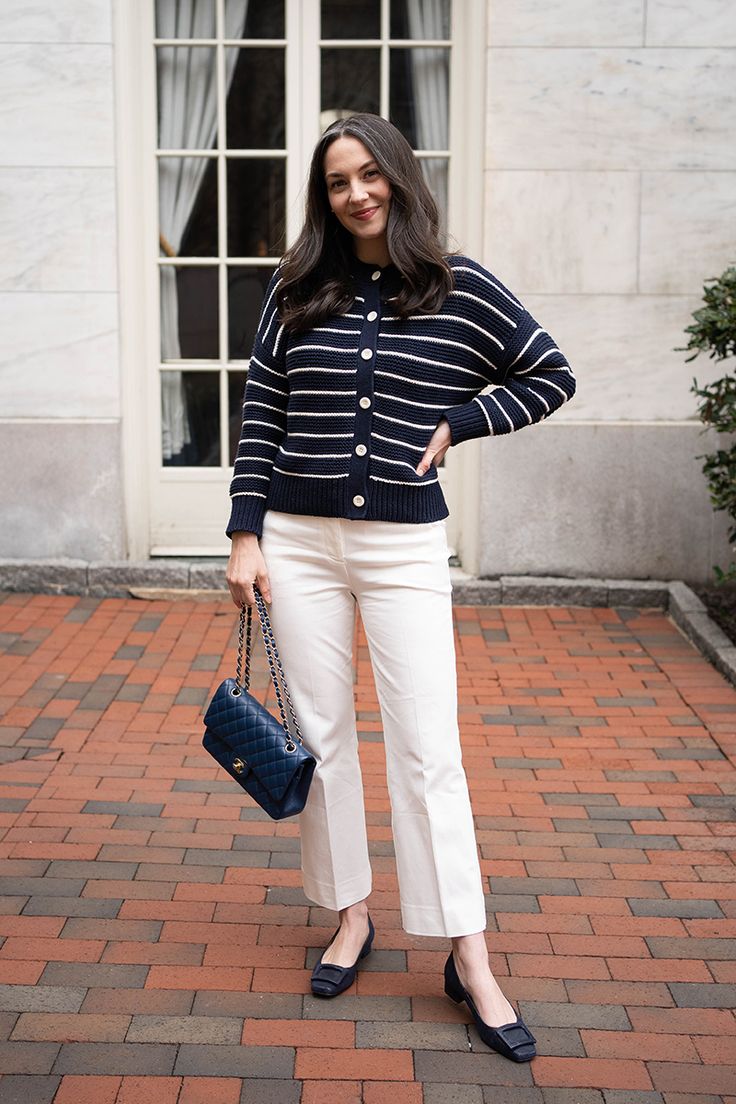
[(329, 979), (512, 1040)]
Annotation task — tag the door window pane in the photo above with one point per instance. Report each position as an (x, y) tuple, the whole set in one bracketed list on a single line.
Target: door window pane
[(256, 101), (190, 419), (256, 203), (419, 94), (189, 303), (176, 20), (246, 287), (187, 85), (350, 81), (182, 183), (351, 19), (265, 18), (420, 19)]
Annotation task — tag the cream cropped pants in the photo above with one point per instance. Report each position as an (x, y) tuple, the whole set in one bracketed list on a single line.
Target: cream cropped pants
[(398, 574)]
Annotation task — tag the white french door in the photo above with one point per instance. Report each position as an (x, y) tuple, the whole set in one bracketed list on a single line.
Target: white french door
[(232, 95)]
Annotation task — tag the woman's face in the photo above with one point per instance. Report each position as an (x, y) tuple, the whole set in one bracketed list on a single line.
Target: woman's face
[(359, 193)]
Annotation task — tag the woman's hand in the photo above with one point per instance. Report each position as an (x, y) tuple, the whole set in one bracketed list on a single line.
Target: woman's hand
[(246, 565), (439, 443)]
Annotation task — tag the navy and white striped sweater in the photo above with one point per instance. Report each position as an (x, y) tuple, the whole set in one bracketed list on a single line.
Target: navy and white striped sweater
[(335, 420)]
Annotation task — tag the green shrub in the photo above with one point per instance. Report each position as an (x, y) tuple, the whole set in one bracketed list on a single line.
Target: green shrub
[(714, 331)]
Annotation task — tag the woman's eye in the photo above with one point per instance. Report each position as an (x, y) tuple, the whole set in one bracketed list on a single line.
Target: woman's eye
[(367, 175)]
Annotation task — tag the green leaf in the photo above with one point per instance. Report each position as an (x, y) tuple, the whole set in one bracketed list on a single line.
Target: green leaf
[(713, 331)]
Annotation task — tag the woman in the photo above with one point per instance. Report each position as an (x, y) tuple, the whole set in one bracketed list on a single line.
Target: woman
[(371, 352)]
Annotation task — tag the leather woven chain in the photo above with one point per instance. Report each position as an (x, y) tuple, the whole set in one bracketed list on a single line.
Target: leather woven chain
[(274, 660)]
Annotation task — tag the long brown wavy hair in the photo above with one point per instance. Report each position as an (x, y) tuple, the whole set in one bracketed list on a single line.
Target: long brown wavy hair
[(316, 280)]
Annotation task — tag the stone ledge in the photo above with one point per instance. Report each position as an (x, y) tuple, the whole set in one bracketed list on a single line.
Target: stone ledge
[(110, 579), (207, 575), (549, 590), (467, 590), (116, 579), (684, 600), (691, 616), (552, 590), (638, 592), (44, 576), (179, 576)]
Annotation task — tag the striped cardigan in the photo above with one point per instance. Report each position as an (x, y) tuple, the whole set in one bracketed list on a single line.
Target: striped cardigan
[(335, 420)]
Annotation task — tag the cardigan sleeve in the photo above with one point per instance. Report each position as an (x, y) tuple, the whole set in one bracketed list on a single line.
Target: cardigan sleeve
[(533, 379), (264, 419)]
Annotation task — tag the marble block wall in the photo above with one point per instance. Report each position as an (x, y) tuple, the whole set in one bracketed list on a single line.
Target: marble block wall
[(610, 197), (60, 471)]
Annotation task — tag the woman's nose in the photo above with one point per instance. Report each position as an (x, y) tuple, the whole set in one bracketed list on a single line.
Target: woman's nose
[(358, 192)]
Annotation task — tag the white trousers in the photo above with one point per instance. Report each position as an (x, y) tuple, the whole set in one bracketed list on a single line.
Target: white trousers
[(398, 574)]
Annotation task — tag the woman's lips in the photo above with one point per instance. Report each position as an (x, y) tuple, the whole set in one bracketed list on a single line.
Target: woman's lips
[(365, 215)]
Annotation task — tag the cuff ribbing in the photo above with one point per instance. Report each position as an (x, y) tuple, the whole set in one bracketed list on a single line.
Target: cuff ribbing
[(246, 514), (467, 421)]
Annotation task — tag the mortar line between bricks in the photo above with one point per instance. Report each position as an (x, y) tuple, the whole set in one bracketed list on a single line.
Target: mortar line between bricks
[(694, 708)]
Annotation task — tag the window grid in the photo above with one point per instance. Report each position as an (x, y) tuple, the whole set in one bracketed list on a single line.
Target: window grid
[(223, 365), (221, 154)]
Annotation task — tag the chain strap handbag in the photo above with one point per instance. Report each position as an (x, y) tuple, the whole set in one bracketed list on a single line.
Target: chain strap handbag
[(254, 747)]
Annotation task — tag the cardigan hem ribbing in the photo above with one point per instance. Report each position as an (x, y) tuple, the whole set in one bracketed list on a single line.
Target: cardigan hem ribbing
[(387, 502)]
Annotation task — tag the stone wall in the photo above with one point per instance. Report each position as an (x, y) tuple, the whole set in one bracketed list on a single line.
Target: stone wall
[(60, 468), (610, 198)]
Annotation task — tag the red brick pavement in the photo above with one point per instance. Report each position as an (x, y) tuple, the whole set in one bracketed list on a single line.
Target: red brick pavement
[(155, 944)]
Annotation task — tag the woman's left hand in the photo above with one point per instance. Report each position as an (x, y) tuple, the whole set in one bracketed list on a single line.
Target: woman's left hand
[(439, 443)]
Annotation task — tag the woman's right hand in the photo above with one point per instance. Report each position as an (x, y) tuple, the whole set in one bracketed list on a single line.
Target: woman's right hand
[(246, 565)]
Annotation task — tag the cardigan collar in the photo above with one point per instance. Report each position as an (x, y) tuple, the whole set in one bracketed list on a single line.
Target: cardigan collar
[(362, 273)]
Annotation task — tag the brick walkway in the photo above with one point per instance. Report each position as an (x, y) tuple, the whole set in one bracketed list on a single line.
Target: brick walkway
[(155, 945)]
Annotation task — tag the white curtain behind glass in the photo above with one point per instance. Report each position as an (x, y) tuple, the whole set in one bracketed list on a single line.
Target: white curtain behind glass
[(187, 120), (429, 78)]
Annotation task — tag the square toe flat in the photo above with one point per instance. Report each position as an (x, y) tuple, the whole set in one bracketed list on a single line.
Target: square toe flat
[(329, 979), (512, 1040)]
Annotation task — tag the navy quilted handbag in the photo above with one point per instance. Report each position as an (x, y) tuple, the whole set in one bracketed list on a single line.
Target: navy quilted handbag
[(254, 747)]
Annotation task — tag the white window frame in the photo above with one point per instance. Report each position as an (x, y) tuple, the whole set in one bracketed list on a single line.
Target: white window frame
[(138, 255)]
